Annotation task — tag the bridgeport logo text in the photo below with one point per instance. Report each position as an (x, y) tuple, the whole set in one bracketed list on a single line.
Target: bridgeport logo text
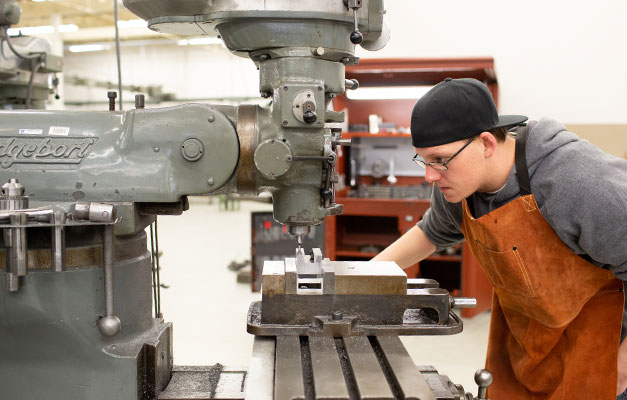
[(44, 150)]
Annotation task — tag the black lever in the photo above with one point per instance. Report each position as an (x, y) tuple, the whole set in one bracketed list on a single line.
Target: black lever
[(310, 117), (356, 36)]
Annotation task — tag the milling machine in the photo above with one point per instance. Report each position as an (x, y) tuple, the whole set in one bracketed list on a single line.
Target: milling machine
[(81, 188), (27, 66)]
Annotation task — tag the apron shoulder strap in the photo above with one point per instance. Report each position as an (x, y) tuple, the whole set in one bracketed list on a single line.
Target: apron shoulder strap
[(522, 172)]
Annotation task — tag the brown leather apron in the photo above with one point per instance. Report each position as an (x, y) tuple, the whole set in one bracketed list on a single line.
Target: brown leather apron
[(556, 318)]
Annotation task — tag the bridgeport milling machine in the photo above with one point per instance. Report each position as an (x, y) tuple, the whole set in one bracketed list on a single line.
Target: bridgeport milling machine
[(81, 187)]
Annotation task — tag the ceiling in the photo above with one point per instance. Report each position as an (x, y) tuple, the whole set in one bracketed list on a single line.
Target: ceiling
[(93, 17), (84, 13)]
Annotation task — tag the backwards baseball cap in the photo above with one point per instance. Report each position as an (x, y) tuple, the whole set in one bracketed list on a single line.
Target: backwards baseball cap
[(456, 109)]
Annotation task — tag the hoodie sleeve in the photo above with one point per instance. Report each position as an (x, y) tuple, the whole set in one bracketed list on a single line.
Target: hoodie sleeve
[(442, 222), (582, 193)]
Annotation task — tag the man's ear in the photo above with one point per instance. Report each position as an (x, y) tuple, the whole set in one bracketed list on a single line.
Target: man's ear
[(489, 144)]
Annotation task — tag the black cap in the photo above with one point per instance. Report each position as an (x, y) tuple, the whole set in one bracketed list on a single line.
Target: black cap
[(456, 109)]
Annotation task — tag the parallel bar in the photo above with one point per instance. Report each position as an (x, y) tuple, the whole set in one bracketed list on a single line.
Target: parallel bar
[(328, 378), (260, 379), (370, 379), (410, 380), (421, 283), (288, 382)]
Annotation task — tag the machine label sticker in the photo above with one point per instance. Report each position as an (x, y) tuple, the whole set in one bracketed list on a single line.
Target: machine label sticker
[(59, 131), (30, 131), (23, 150)]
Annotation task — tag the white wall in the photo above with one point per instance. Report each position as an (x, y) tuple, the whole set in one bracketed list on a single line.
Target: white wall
[(564, 59), (190, 72)]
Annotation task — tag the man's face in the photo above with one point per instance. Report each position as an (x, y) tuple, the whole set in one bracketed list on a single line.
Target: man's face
[(464, 174)]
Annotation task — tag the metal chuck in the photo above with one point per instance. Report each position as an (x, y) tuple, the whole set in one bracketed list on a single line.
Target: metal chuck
[(300, 231)]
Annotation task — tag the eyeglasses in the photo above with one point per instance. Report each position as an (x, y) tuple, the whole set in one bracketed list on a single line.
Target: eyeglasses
[(439, 165)]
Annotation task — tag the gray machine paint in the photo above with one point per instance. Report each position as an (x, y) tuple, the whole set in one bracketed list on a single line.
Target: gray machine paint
[(145, 162)]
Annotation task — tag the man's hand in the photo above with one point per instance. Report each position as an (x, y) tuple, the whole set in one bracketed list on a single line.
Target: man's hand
[(407, 250), (622, 368)]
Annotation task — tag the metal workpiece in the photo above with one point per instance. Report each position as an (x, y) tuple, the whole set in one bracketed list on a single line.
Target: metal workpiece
[(315, 296), (351, 277), (304, 264), (99, 147), (313, 367)]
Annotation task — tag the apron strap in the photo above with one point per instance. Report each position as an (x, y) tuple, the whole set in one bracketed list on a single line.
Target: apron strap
[(522, 172)]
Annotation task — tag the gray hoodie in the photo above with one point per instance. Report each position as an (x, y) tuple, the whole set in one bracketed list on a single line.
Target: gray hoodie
[(581, 192)]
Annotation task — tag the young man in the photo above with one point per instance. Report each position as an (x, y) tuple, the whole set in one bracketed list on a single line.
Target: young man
[(545, 215)]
